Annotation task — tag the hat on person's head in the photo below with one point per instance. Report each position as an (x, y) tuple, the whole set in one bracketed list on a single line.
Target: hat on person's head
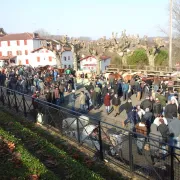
[(73, 91)]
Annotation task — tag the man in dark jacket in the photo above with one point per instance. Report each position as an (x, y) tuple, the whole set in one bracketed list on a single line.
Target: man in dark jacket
[(116, 103), (157, 108), (104, 91), (146, 104), (171, 110)]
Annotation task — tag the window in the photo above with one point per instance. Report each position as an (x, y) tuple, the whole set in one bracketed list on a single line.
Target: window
[(0, 53), (9, 53), (27, 61), (26, 52), (64, 58), (65, 66), (50, 58), (68, 57), (9, 43), (18, 52), (25, 42), (69, 66), (18, 43), (38, 59)]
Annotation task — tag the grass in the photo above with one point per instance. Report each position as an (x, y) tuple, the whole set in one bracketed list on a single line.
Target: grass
[(47, 155), (38, 156)]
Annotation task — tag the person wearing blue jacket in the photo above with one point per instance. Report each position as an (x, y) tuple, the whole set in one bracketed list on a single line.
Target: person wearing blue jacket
[(125, 88)]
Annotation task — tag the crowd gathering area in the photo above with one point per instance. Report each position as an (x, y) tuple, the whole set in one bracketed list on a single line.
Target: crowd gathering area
[(156, 111)]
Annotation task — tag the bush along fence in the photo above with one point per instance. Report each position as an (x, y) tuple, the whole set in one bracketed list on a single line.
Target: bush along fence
[(146, 156)]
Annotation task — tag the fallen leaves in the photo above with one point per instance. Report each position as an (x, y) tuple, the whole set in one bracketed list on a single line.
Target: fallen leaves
[(7, 150), (34, 177)]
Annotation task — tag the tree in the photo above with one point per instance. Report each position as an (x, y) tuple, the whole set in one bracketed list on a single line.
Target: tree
[(138, 57), (123, 46), (43, 33), (162, 58), (153, 51), (75, 45)]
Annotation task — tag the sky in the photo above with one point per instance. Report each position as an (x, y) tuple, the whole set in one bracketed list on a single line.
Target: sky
[(90, 18)]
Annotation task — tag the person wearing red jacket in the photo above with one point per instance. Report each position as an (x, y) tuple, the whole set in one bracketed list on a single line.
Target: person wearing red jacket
[(107, 103)]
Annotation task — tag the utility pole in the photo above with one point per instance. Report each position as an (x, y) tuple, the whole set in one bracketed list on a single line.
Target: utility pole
[(170, 37)]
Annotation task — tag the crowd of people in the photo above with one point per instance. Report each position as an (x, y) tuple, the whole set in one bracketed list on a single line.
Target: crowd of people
[(155, 113)]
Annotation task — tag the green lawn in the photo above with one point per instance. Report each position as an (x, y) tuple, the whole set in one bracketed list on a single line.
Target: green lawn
[(36, 154)]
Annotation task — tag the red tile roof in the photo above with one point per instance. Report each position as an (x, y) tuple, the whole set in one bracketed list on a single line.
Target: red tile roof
[(6, 57), (37, 49), (102, 57), (19, 36)]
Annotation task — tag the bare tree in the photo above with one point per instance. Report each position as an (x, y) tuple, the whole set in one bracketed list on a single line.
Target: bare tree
[(152, 51), (43, 33), (75, 45), (123, 46)]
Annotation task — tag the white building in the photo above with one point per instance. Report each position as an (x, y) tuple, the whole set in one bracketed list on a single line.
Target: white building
[(89, 63), (18, 47), (67, 58), (42, 57)]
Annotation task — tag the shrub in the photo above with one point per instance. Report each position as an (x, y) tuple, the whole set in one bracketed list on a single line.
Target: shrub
[(162, 58), (138, 57)]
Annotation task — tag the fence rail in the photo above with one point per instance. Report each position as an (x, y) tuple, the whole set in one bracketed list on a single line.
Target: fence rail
[(145, 156), (142, 67)]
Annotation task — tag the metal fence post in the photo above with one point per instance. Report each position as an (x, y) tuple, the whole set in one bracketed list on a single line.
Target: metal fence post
[(24, 106), (15, 100), (172, 162), (130, 153), (78, 132), (100, 142), (2, 97)]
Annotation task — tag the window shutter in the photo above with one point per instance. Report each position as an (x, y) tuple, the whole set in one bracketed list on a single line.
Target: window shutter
[(0, 43), (20, 52), (47, 51), (27, 61), (18, 43), (9, 43), (0, 53), (17, 53), (50, 58), (25, 42), (26, 52), (38, 59)]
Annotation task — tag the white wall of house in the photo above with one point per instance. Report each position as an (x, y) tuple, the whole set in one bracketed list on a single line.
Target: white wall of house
[(20, 48), (90, 64), (67, 59), (42, 57)]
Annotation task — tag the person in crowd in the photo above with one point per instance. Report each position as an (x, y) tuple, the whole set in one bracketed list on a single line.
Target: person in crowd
[(125, 88), (132, 118), (146, 104), (116, 104), (82, 101), (72, 100), (57, 96), (107, 103), (171, 110), (157, 108), (158, 119), (140, 112)]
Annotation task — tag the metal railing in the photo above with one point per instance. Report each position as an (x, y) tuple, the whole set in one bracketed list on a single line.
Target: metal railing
[(146, 156)]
